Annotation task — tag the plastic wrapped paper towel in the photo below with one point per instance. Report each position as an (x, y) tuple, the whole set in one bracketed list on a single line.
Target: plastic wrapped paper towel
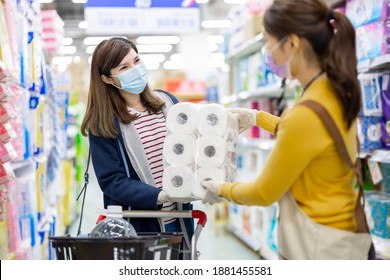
[(179, 181), (183, 117), (179, 149), (215, 119)]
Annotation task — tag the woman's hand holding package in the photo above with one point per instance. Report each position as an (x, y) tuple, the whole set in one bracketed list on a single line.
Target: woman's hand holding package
[(246, 117), (163, 197), (211, 195)]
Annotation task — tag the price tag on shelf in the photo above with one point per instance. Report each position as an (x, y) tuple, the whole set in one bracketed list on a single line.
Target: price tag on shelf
[(375, 171), (380, 156)]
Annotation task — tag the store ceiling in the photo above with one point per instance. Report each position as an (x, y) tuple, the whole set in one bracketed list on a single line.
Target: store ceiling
[(73, 13)]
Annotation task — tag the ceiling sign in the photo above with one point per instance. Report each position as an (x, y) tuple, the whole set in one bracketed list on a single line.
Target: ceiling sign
[(127, 17)]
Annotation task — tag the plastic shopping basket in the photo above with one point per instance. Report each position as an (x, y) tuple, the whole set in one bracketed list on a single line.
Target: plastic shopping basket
[(146, 246)]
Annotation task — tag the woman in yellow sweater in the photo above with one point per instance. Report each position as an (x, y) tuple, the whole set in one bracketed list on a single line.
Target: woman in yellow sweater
[(308, 42)]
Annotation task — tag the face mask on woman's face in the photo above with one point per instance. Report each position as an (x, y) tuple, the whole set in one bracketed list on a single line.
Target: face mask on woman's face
[(282, 70), (133, 80)]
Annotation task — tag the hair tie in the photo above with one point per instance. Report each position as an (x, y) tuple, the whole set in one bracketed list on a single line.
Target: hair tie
[(332, 21)]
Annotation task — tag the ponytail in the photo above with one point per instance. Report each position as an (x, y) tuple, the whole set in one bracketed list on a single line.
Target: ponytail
[(332, 39), (340, 65)]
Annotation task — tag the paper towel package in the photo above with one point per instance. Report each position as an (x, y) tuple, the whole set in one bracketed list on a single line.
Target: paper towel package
[(183, 117), (179, 181), (201, 145), (179, 148)]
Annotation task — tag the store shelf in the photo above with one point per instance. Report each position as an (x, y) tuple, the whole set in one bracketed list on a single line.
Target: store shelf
[(374, 63), (247, 48), (247, 239), (262, 144), (21, 168), (380, 156), (271, 91)]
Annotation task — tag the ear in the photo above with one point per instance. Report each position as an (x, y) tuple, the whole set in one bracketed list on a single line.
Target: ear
[(295, 41), (106, 79)]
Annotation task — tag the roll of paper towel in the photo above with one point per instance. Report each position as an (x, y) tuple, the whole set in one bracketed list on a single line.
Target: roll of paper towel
[(215, 119), (205, 174), (179, 149), (183, 117), (212, 151), (178, 181)]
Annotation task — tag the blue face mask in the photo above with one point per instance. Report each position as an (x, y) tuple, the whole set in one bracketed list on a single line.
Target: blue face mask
[(133, 80)]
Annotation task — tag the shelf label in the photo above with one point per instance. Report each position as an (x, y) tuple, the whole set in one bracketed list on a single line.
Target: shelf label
[(375, 171)]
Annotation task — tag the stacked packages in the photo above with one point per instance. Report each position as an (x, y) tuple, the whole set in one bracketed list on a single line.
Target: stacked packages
[(201, 145)]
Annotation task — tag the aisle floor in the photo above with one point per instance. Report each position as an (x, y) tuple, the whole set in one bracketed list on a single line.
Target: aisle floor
[(213, 244)]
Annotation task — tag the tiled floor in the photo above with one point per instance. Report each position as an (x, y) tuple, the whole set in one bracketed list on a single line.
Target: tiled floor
[(213, 244)]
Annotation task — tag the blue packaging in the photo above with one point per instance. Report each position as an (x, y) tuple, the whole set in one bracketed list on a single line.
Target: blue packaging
[(361, 12), (371, 85), (369, 130), (378, 205), (385, 183)]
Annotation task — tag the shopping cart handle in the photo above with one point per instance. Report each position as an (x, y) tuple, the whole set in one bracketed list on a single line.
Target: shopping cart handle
[(197, 214)]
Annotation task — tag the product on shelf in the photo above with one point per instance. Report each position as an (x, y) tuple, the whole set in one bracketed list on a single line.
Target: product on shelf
[(7, 133), (386, 110), (361, 12), (370, 132), (378, 208), (7, 152), (371, 85), (385, 183), (5, 93), (6, 173), (372, 40), (6, 112)]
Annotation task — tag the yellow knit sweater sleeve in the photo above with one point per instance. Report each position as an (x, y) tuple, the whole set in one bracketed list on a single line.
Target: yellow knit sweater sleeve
[(298, 142), (267, 121)]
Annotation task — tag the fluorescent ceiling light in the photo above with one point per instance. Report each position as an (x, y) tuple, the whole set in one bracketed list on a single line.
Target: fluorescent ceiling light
[(152, 65), (152, 58), (76, 59), (177, 57), (83, 24), (62, 60), (217, 56), (67, 50), (171, 65), (154, 48), (215, 39), (90, 49), (222, 23), (212, 47), (62, 67), (152, 40), (66, 41), (79, 1), (45, 1), (94, 40), (235, 2), (201, 1)]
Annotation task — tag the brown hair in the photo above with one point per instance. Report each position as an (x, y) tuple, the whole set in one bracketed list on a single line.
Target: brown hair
[(104, 101), (310, 19)]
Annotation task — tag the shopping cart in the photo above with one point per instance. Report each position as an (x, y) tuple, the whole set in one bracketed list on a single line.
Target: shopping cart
[(146, 246)]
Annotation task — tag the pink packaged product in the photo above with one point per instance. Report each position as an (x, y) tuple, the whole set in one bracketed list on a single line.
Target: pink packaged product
[(6, 173), (5, 93), (255, 129), (6, 112), (7, 133), (5, 75), (372, 40), (7, 152), (13, 216), (361, 12)]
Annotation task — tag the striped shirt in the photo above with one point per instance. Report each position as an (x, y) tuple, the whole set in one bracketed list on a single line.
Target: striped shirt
[(152, 131)]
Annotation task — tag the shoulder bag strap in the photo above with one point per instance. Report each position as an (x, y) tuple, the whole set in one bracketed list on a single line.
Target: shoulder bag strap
[(340, 144)]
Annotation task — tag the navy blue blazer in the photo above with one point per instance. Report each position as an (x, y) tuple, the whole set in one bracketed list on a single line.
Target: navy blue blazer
[(126, 191)]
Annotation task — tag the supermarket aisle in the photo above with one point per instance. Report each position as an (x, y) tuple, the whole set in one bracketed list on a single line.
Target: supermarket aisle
[(212, 246)]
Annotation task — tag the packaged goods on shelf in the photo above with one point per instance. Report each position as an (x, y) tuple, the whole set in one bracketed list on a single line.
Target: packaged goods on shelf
[(385, 183), (370, 132), (5, 93), (7, 152), (371, 85), (361, 12), (378, 208), (372, 40)]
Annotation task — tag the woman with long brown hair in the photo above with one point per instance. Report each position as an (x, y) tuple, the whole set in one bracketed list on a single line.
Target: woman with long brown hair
[(306, 172), (125, 123)]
